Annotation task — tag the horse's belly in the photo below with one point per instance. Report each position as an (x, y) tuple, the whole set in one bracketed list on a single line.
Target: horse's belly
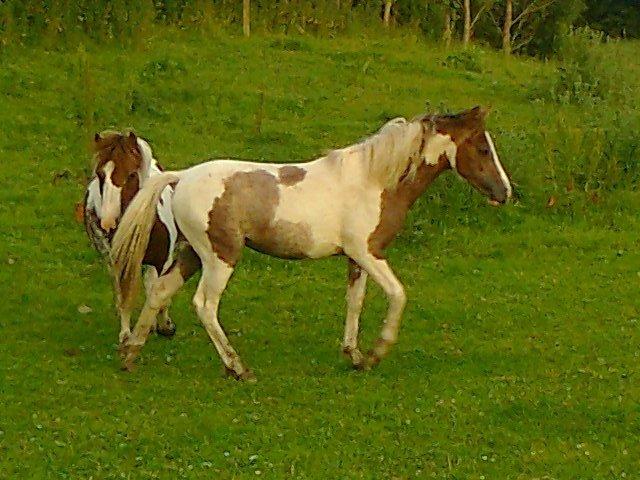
[(295, 240)]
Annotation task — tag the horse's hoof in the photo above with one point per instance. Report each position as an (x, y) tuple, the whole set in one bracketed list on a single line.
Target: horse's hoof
[(372, 360), (127, 366), (245, 376), (248, 376), (377, 353), (128, 355), (358, 361), (167, 330), (123, 338)]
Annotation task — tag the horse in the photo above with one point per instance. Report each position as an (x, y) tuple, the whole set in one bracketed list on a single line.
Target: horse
[(351, 202), (123, 164)]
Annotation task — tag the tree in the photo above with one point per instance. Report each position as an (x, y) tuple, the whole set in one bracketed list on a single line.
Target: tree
[(521, 22), (246, 17), (618, 18), (466, 36), (448, 27), (386, 17), (470, 20), (506, 27)]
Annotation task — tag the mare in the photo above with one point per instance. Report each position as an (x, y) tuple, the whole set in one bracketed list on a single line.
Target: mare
[(351, 202), (123, 165)]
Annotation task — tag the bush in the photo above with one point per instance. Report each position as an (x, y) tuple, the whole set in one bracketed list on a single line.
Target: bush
[(466, 60), (585, 74), (593, 157)]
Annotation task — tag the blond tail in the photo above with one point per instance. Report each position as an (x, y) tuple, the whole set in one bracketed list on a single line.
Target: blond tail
[(130, 241)]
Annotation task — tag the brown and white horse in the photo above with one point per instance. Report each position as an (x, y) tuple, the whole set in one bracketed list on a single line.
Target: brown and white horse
[(351, 202), (123, 164)]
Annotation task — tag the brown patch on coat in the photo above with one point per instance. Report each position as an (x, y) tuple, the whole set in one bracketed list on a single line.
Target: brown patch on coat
[(290, 175), (129, 190), (355, 272), (245, 212), (157, 251), (395, 203), (187, 260)]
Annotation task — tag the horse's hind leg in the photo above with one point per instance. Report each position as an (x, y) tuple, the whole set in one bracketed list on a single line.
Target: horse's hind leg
[(158, 298), (149, 279), (215, 275), (163, 324), (357, 283)]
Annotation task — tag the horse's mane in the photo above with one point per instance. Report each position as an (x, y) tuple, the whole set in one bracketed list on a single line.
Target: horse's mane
[(393, 151)]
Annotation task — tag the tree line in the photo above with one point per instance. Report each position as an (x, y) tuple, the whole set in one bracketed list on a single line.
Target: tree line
[(532, 27)]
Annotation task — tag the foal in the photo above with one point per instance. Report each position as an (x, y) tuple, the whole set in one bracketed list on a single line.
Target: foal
[(123, 164), (351, 202)]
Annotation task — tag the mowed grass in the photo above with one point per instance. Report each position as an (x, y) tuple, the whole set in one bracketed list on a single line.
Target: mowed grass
[(519, 351)]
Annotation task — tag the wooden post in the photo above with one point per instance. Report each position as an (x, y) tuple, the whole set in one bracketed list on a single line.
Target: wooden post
[(506, 27), (246, 17), (387, 12), (466, 36)]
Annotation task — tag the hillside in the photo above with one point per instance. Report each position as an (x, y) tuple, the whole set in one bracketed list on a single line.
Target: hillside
[(519, 347)]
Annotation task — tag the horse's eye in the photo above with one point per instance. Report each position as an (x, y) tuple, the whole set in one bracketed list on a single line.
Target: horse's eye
[(132, 175), (484, 151)]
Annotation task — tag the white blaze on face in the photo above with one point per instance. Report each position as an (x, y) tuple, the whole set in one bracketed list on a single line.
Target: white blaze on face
[(110, 211), (496, 160)]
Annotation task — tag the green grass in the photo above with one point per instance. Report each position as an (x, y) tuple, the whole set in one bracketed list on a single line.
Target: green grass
[(518, 356)]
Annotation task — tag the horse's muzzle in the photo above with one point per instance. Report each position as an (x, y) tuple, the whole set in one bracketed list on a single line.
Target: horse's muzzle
[(108, 224)]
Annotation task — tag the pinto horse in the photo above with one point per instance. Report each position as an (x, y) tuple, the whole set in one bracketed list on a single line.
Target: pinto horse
[(351, 202), (123, 164)]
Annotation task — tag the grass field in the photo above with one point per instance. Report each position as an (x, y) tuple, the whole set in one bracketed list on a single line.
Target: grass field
[(519, 352)]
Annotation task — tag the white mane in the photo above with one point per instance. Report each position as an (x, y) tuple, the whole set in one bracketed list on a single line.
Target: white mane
[(149, 164), (392, 150)]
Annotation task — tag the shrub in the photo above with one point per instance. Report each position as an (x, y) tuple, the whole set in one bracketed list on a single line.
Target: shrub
[(467, 60), (585, 74)]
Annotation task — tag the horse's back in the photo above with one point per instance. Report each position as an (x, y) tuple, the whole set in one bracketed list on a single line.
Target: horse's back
[(284, 210)]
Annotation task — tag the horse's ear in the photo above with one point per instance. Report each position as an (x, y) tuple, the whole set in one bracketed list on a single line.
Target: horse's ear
[(477, 116), (97, 138), (479, 112), (132, 143)]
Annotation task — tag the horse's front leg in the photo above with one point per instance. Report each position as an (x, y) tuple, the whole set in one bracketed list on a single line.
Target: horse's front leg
[(356, 287), (382, 274), (125, 325)]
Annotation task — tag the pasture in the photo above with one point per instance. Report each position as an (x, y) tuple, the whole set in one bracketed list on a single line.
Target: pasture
[(520, 344)]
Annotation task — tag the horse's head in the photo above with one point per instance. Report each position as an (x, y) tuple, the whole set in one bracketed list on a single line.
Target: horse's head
[(472, 153), (119, 163)]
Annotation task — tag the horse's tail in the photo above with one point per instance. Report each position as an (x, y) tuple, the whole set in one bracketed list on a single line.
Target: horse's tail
[(130, 241)]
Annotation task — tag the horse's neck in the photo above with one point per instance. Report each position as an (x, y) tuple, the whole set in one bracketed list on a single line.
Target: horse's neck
[(395, 203), (410, 188)]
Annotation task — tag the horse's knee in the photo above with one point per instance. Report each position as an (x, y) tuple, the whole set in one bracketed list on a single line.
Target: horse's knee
[(161, 293), (201, 303)]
